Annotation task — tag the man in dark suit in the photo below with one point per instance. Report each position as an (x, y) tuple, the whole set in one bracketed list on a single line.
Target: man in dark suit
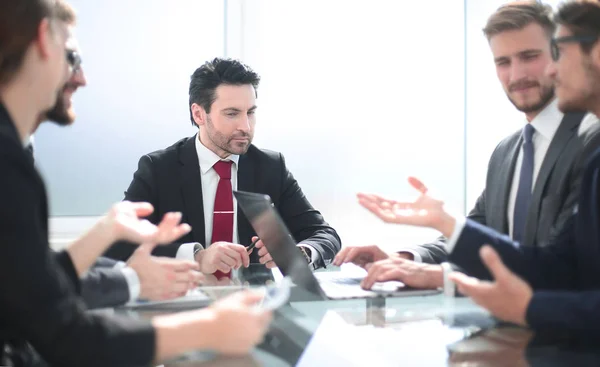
[(519, 36), (40, 306), (550, 288), (112, 283), (196, 176)]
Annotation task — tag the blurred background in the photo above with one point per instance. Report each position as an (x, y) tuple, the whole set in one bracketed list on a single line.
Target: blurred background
[(357, 95)]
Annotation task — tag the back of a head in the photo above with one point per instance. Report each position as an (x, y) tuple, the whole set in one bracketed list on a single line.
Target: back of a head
[(212, 74), (517, 15), (19, 22), (582, 18)]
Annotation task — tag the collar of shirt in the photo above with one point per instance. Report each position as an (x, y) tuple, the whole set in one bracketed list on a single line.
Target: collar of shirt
[(28, 141), (207, 158), (548, 120)]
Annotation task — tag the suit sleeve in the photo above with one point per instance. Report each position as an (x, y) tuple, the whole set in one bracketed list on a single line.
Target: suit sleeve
[(104, 262), (142, 188), (104, 287), (305, 223), (565, 311), (435, 252), (550, 267), (38, 302), (570, 202)]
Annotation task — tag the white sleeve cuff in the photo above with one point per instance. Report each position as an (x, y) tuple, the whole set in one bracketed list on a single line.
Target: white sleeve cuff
[(416, 256), (314, 255), (119, 265), (133, 282), (459, 225), (186, 251)]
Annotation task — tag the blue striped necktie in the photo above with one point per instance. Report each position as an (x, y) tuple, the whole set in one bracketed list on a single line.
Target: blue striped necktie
[(525, 185)]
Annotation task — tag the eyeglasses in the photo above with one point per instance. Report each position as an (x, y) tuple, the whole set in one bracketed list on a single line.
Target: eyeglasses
[(586, 39), (74, 60)]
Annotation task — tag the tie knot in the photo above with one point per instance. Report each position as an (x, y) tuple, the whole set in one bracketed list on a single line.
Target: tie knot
[(223, 169), (528, 133)]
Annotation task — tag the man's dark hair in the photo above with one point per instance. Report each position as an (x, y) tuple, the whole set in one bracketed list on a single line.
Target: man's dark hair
[(517, 15), (582, 18), (19, 22), (208, 77)]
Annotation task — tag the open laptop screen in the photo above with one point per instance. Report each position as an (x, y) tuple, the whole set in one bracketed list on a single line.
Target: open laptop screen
[(270, 228)]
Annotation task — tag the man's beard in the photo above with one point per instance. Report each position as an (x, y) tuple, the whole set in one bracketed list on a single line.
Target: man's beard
[(60, 114), (223, 142), (546, 95), (586, 99)]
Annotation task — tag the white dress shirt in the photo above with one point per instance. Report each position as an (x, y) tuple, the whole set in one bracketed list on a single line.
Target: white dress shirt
[(545, 123), (132, 279), (210, 180)]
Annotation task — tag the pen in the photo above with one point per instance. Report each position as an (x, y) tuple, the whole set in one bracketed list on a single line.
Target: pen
[(252, 245)]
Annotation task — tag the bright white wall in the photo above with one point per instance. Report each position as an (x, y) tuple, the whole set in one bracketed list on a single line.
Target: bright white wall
[(358, 95)]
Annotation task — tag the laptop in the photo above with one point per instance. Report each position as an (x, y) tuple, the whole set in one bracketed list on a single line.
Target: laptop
[(270, 228)]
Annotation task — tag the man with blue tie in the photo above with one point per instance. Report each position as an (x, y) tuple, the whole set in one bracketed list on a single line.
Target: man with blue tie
[(556, 287), (534, 174)]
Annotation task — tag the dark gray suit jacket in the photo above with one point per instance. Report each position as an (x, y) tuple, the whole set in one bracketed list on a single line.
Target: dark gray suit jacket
[(554, 195), (104, 286)]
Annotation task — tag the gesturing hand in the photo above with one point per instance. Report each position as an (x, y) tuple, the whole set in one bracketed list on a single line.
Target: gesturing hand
[(506, 298), (123, 223), (426, 211), (163, 278)]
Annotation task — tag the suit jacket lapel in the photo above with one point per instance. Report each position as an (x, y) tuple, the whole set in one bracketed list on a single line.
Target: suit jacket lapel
[(191, 185), (245, 182), (505, 176), (566, 131)]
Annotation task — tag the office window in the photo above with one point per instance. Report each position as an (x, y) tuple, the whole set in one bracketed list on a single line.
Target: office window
[(358, 95), (138, 57)]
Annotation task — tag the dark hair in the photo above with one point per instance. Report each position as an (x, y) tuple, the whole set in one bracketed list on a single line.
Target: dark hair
[(212, 74), (582, 18), (518, 15), (19, 22)]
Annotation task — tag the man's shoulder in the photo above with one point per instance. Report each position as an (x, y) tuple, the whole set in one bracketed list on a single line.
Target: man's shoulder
[(263, 155), (169, 153), (13, 161), (507, 143), (589, 129)]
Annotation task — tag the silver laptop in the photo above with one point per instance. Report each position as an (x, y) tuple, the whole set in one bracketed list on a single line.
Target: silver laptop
[(281, 245)]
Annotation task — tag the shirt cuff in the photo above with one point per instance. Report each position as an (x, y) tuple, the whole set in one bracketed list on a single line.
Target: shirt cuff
[(133, 282), (314, 255), (416, 256), (119, 265), (459, 225), (186, 251)]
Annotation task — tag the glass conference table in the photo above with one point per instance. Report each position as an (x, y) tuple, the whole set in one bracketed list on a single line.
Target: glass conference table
[(431, 330)]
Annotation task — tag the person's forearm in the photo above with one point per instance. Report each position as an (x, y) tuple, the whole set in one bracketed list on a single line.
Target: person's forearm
[(90, 246), (446, 225), (175, 336)]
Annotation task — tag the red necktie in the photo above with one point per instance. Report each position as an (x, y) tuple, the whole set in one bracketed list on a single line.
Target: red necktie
[(223, 212)]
